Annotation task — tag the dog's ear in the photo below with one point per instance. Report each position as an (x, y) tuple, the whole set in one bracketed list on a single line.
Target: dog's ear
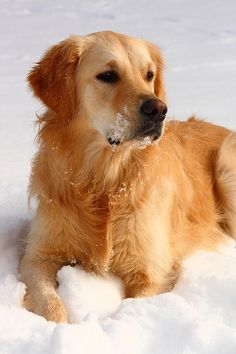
[(159, 85), (53, 78)]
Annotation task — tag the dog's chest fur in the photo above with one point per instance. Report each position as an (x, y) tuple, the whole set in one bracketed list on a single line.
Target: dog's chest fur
[(134, 226)]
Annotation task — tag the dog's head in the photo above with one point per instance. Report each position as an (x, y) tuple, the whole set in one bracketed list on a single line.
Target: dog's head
[(112, 84)]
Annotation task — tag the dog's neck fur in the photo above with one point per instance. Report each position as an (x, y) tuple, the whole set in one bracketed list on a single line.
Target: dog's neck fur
[(92, 165)]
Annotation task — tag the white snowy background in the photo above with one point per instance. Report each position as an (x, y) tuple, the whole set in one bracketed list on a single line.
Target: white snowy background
[(199, 316)]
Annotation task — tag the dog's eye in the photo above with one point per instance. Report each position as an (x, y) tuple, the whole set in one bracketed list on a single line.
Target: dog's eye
[(108, 76), (150, 75)]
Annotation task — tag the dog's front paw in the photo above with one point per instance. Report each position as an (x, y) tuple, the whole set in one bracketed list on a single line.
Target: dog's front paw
[(48, 305)]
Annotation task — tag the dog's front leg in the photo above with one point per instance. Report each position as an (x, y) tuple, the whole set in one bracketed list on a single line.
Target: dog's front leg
[(141, 284), (41, 298), (142, 255), (148, 280)]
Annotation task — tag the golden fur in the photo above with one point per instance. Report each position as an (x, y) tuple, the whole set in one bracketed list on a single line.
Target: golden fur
[(135, 210)]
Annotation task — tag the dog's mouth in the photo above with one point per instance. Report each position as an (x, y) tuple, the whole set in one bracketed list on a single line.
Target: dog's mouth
[(145, 135), (153, 131)]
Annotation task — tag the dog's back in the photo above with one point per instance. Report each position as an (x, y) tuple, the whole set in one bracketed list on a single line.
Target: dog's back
[(214, 148)]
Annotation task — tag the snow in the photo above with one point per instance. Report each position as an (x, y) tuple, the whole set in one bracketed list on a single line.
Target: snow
[(199, 315), (119, 127), (98, 295)]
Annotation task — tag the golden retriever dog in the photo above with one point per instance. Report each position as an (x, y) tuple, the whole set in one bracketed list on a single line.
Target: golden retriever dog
[(119, 190)]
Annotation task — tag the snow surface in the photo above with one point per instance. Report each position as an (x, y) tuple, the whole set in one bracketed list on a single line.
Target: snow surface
[(199, 315)]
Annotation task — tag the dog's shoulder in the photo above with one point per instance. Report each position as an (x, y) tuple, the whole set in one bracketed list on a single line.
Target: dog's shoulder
[(196, 131)]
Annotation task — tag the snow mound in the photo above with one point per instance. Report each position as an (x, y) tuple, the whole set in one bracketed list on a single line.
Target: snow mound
[(84, 293)]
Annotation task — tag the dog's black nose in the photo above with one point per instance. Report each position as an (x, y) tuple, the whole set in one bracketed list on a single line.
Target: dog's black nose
[(154, 110)]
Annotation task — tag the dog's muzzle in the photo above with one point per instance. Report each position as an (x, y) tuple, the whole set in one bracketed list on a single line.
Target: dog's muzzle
[(152, 113)]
